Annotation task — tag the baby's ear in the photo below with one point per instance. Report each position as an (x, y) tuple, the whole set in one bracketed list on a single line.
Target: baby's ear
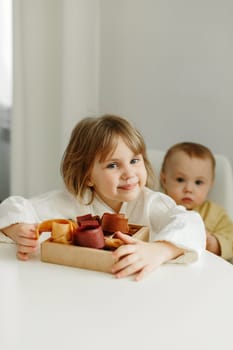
[(212, 183)]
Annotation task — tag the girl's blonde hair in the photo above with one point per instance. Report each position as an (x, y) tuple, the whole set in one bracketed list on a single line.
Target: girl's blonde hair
[(98, 136)]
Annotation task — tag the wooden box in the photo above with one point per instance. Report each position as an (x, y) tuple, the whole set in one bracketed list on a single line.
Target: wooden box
[(82, 257)]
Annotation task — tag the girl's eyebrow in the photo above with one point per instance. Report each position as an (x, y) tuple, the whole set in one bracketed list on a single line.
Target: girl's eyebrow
[(119, 159), (111, 160)]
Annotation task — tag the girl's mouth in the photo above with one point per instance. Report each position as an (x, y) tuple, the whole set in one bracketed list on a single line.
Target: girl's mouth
[(127, 187)]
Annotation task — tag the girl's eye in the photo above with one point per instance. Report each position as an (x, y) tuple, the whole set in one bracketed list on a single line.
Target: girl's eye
[(112, 165), (180, 179), (134, 161), (198, 182)]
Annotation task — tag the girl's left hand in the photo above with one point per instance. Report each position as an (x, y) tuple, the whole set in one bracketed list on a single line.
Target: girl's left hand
[(140, 258)]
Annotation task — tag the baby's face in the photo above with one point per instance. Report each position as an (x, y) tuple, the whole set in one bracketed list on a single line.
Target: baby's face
[(187, 179)]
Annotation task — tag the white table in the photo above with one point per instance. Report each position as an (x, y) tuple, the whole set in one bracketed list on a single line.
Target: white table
[(46, 306)]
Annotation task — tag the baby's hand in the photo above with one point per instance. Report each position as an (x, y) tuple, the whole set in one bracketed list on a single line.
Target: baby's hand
[(24, 235), (140, 258), (212, 244)]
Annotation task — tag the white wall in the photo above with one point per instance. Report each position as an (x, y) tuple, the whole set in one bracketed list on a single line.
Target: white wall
[(167, 65)]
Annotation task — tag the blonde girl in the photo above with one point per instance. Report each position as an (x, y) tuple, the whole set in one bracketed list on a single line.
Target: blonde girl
[(105, 169)]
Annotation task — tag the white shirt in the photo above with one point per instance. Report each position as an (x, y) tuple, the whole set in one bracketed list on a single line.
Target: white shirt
[(166, 220)]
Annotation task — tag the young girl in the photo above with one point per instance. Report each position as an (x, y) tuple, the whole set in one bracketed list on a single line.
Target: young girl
[(187, 175), (105, 169)]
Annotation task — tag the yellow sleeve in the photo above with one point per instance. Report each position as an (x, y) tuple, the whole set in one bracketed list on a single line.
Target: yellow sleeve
[(218, 223), (224, 233)]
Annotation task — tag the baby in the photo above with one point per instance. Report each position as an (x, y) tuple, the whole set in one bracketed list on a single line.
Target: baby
[(187, 175)]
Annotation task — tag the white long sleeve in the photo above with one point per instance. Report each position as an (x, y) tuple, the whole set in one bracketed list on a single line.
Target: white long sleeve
[(169, 222), (166, 221)]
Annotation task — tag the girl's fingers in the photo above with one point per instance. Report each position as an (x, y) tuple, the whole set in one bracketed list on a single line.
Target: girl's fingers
[(130, 269), (143, 272), (28, 233), (128, 248), (125, 238), (22, 256), (125, 261), (28, 242), (26, 249), (123, 250)]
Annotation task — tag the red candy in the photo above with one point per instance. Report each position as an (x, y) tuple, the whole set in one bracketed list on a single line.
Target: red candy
[(89, 233)]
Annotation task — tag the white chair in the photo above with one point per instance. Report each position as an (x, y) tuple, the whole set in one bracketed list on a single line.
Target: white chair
[(222, 191)]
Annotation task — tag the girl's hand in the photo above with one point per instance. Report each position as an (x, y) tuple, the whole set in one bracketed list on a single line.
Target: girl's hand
[(140, 258), (24, 235)]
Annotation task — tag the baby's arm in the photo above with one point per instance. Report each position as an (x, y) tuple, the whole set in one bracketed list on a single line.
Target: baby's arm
[(140, 258), (212, 244), (219, 232), (24, 235), (223, 238)]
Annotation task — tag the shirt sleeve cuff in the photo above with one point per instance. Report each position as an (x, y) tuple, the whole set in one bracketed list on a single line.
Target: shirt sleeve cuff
[(5, 239)]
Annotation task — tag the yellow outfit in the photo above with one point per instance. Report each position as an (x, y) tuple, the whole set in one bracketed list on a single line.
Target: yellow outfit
[(218, 223)]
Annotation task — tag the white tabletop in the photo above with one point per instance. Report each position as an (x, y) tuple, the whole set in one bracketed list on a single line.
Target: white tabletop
[(47, 306)]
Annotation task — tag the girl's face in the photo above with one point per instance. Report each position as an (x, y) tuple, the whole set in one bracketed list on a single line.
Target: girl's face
[(120, 177), (187, 179)]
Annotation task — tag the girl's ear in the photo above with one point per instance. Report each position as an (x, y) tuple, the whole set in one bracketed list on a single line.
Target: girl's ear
[(162, 179), (89, 183)]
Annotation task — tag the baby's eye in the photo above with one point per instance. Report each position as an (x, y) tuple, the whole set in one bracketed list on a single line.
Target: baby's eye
[(198, 182), (112, 165), (134, 161), (180, 179)]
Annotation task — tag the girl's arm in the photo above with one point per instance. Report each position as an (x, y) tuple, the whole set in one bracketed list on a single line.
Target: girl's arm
[(183, 228)]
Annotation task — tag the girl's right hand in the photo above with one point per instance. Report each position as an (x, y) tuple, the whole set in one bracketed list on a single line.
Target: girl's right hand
[(24, 235)]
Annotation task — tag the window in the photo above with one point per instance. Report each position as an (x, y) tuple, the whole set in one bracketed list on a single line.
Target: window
[(5, 93)]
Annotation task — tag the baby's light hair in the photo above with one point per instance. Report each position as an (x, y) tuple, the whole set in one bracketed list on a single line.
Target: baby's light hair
[(97, 137), (192, 149)]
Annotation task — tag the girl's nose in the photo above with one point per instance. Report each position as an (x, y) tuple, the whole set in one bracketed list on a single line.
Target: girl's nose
[(127, 172)]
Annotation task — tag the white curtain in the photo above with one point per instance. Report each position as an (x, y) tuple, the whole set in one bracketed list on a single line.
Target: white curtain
[(5, 93), (5, 53), (55, 84)]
